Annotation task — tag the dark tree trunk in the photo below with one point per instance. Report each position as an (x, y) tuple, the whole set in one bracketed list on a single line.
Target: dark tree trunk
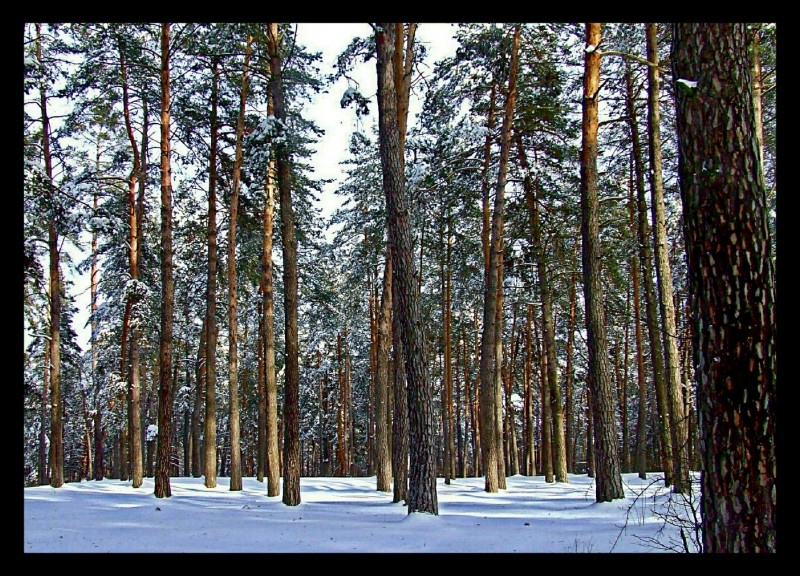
[(422, 495), (731, 279), (165, 393), (291, 404)]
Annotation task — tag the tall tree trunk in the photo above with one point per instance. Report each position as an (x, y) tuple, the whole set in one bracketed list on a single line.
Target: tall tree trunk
[(731, 279), (492, 458), (133, 296), (272, 454), (548, 329), (669, 332), (56, 451), (291, 410), (497, 375), (422, 495), (165, 394), (233, 324), (645, 258), (607, 472), (210, 427), (402, 65)]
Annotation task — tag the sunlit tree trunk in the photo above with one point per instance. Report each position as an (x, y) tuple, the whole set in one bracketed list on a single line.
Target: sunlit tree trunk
[(608, 484)]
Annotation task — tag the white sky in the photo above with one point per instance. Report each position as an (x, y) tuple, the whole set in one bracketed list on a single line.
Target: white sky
[(348, 515)]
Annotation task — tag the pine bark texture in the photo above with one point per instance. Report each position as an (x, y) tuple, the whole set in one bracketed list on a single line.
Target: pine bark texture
[(731, 280), (422, 496), (165, 395), (607, 466)]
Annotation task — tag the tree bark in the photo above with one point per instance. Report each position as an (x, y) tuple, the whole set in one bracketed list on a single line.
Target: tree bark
[(383, 461), (210, 427), (291, 404), (731, 279), (650, 296), (165, 395), (422, 495), (607, 472)]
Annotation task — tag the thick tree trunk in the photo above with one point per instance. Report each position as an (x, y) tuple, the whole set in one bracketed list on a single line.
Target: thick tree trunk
[(607, 471), (422, 495), (165, 394), (731, 279), (402, 65)]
